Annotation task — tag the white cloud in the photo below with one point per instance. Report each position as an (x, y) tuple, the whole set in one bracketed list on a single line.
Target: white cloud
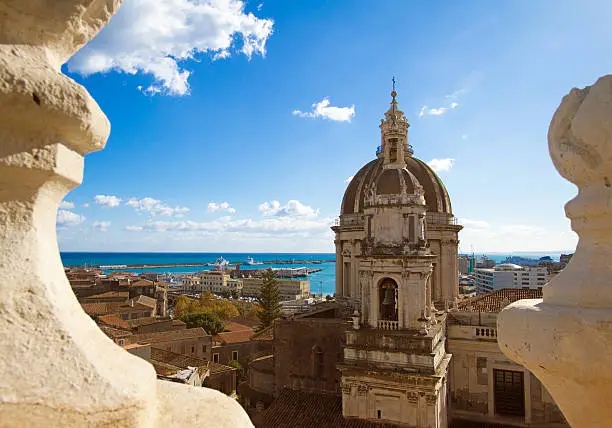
[(349, 179), (66, 205), (85, 205), (439, 165), (464, 137), (483, 236), (276, 226), (161, 38), (324, 110), (293, 208), (101, 226), (107, 200), (476, 224), (453, 105), (213, 207), (68, 218), (156, 207), (133, 228), (426, 111), (259, 7)]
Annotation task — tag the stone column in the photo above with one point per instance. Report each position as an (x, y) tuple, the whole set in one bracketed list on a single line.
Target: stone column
[(565, 339), (57, 368)]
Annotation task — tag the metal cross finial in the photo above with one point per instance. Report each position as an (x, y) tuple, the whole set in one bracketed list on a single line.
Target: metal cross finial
[(393, 80)]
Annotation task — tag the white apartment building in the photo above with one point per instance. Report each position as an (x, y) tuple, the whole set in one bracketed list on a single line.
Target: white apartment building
[(290, 289), (508, 275)]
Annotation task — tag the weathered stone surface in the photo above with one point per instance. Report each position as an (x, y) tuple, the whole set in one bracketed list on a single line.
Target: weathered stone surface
[(57, 367), (565, 339)]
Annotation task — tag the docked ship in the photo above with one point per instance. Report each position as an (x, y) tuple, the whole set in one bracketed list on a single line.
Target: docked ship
[(220, 263), (250, 261)]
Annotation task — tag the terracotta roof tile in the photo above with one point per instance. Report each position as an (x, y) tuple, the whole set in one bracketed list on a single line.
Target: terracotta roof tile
[(304, 410), (172, 335), (114, 333), (499, 299), (104, 308), (234, 326), (109, 294), (177, 360), (234, 336), (114, 321)]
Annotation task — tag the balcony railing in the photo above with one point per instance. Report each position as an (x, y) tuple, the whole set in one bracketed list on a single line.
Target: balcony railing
[(379, 150), (440, 218), (485, 332), (388, 325)]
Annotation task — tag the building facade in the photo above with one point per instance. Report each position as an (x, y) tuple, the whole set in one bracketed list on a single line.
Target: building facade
[(396, 255), (379, 353), (508, 275), (290, 289)]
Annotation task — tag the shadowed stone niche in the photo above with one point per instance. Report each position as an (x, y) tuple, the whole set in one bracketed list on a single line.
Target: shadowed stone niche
[(565, 339), (57, 368)]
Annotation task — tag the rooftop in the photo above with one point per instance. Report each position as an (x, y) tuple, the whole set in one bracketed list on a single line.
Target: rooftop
[(170, 336), (497, 300), (304, 409)]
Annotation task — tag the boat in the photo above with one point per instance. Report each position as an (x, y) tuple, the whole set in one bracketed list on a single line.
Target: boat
[(250, 261), (220, 263)]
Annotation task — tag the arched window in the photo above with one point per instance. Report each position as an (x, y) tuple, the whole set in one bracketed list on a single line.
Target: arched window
[(317, 362), (387, 295)]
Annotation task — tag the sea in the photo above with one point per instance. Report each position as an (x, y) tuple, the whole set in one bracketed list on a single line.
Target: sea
[(322, 282)]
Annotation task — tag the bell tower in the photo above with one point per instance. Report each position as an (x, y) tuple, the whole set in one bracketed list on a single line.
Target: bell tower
[(395, 360)]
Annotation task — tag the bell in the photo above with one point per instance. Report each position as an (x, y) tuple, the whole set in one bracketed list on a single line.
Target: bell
[(389, 297)]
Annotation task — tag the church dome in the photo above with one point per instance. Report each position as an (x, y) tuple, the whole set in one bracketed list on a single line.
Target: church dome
[(389, 181), (396, 171)]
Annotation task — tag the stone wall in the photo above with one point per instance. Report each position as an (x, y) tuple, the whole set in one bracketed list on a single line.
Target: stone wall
[(295, 341)]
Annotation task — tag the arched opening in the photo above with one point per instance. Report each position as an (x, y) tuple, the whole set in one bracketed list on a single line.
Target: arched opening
[(317, 362), (387, 295)]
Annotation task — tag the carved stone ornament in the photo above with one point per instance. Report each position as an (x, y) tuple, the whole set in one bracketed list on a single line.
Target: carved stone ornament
[(57, 368), (565, 338)]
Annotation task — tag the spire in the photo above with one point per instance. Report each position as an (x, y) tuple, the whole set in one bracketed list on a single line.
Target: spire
[(393, 95), (394, 133)]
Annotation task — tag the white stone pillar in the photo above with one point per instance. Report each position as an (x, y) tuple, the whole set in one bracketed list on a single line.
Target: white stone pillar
[(57, 368), (565, 339)]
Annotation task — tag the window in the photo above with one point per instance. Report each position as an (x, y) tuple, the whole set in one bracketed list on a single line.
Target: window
[(481, 371), (204, 348), (193, 349), (120, 342), (509, 393), (215, 358), (379, 414), (235, 355)]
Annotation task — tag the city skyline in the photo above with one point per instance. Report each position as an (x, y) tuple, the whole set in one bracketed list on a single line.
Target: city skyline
[(227, 146)]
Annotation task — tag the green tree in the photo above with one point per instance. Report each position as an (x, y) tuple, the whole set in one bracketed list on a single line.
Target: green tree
[(269, 300), (234, 294), (328, 298), (209, 321), (235, 364)]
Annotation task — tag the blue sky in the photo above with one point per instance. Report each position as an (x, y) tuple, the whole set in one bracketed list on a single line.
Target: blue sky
[(235, 125)]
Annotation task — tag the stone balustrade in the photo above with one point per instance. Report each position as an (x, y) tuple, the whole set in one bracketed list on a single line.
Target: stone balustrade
[(388, 325), (565, 338), (57, 368), (485, 333)]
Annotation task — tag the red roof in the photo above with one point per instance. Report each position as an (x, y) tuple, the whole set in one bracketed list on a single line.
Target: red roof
[(497, 300), (317, 410), (114, 321), (234, 336)]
